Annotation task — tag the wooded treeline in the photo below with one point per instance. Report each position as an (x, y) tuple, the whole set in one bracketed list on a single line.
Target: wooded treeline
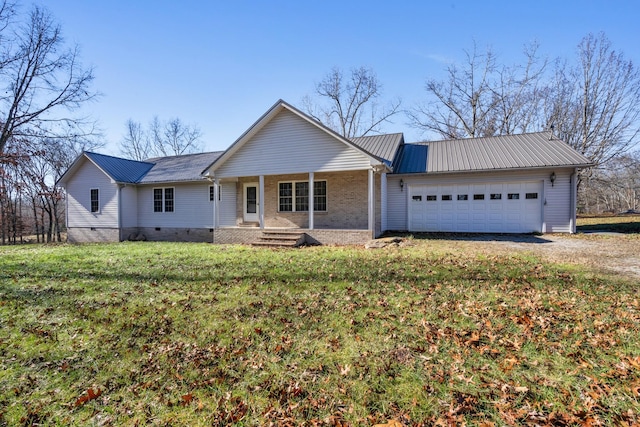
[(592, 102), (44, 86)]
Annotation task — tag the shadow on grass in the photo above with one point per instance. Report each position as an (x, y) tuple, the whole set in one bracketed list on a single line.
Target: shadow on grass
[(618, 227), (475, 237)]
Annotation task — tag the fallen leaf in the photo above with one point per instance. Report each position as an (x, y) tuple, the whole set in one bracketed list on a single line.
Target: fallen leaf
[(345, 370), (390, 423), (89, 396), (186, 399)]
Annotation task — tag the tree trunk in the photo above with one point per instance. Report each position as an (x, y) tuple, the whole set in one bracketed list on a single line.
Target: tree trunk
[(35, 219)]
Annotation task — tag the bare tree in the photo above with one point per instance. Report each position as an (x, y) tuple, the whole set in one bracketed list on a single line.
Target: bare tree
[(614, 189), (519, 92), (173, 137), (135, 144), (351, 107), (162, 138), (43, 80), (596, 103), (43, 85), (481, 98), (461, 106)]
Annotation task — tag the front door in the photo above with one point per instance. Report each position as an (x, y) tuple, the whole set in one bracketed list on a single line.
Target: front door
[(251, 202)]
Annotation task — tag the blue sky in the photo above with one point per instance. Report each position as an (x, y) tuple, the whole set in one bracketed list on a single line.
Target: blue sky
[(221, 64)]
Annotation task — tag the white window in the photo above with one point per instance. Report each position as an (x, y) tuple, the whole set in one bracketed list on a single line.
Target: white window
[(95, 200), (163, 199), (294, 196)]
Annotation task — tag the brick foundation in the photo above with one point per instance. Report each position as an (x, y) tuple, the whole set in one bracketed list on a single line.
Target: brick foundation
[(317, 237), (167, 234), (92, 235)]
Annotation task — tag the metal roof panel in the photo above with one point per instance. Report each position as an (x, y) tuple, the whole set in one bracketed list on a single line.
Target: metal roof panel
[(187, 167), (383, 146), (531, 150), (119, 169)]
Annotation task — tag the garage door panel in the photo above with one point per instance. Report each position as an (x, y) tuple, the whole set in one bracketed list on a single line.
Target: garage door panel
[(508, 210)]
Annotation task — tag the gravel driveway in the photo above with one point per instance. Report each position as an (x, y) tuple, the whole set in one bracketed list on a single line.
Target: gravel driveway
[(610, 252)]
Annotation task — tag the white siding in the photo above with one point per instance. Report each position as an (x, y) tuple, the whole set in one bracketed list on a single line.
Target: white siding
[(192, 207), (290, 144), (396, 204), (129, 208), (79, 188), (227, 204), (556, 212)]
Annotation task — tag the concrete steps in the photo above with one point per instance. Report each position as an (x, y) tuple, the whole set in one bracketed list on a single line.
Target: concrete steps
[(280, 239)]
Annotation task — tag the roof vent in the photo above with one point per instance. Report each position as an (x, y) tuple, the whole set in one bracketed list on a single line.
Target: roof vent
[(551, 134)]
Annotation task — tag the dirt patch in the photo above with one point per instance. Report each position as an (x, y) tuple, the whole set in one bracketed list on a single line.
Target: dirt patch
[(611, 253)]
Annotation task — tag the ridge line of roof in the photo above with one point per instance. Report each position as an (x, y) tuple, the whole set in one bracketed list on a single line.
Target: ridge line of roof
[(486, 137), (183, 155), (116, 157)]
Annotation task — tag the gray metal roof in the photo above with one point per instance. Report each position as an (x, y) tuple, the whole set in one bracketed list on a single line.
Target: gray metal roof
[(187, 167), (533, 150), (119, 169), (382, 146)]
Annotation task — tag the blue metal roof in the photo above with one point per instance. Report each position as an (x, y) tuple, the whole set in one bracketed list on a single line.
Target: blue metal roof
[(411, 158), (120, 170)]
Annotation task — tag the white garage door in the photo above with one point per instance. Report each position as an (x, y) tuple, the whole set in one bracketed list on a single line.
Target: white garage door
[(480, 208)]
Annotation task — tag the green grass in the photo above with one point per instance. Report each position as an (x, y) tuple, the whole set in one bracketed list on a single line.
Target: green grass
[(195, 334)]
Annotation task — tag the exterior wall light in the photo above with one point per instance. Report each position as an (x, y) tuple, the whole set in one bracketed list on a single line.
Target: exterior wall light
[(552, 178), (401, 184)]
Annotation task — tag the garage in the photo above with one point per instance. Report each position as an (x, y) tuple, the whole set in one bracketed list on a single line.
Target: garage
[(502, 207)]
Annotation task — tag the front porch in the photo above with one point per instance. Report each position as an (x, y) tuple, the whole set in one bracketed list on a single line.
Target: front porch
[(328, 208)]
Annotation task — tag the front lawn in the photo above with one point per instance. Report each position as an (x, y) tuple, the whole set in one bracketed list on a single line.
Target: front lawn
[(197, 334)]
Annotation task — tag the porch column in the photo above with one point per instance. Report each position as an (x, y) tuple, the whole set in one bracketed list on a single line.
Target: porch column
[(573, 191), (371, 203), (216, 204), (311, 201), (383, 202), (261, 201)]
